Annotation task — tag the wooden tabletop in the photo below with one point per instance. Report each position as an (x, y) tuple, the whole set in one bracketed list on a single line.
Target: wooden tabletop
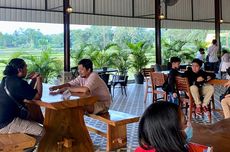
[(216, 135), (217, 81), (57, 101)]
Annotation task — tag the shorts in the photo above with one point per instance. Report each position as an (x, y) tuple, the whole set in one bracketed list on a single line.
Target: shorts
[(19, 125), (100, 107)]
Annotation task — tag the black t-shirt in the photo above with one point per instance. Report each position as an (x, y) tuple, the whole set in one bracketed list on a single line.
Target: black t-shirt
[(20, 90)]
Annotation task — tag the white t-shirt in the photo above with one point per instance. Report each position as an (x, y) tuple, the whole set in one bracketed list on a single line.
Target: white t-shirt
[(200, 56), (212, 52)]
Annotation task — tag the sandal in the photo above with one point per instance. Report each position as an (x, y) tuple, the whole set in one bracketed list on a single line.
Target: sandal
[(198, 111)]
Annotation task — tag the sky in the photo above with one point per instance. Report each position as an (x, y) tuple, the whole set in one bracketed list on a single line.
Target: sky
[(45, 28)]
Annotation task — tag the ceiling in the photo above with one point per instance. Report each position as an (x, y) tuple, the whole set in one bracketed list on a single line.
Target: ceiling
[(189, 14)]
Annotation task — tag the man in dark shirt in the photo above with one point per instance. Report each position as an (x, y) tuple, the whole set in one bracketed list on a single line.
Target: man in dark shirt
[(13, 90), (198, 86), (175, 64)]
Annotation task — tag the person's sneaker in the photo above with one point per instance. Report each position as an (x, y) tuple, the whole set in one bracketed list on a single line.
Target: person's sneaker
[(198, 111)]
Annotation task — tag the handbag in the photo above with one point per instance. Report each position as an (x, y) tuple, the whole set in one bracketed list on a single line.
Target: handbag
[(23, 111)]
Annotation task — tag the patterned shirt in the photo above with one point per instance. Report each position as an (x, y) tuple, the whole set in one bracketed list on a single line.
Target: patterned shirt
[(96, 86)]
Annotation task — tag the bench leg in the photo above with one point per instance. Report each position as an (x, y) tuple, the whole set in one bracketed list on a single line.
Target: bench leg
[(116, 137)]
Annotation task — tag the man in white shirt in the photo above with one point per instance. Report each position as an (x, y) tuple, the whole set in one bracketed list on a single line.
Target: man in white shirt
[(213, 56)]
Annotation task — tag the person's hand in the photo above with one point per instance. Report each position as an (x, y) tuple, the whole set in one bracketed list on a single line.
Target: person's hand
[(227, 84), (53, 88), (227, 96), (39, 78), (54, 92), (174, 95), (33, 75), (200, 79), (209, 78)]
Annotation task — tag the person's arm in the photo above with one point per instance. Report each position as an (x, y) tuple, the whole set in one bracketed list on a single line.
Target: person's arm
[(65, 85), (38, 87), (227, 84), (82, 89), (209, 76)]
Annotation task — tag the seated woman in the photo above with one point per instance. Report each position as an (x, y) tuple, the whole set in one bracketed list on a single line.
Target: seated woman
[(163, 128), (14, 118)]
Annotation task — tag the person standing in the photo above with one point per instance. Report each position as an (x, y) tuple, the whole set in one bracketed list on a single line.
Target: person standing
[(213, 56)]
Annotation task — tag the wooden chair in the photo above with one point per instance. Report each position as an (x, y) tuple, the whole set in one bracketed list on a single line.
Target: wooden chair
[(148, 85), (15, 142), (158, 79), (116, 133), (182, 86), (186, 100)]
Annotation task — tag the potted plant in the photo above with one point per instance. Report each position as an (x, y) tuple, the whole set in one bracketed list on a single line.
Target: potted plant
[(45, 64), (103, 58), (138, 59)]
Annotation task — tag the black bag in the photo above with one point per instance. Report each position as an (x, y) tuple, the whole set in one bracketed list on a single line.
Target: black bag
[(222, 96), (23, 111)]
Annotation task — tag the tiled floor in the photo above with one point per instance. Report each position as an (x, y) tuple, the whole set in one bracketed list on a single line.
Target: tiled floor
[(133, 104)]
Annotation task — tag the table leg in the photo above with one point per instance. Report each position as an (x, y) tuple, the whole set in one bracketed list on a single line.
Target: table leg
[(65, 131)]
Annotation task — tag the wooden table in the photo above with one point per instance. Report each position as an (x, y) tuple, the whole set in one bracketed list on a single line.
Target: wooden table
[(217, 82), (64, 123), (216, 135)]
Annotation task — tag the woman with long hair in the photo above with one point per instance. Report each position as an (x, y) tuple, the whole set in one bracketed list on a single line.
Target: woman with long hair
[(14, 116), (163, 128)]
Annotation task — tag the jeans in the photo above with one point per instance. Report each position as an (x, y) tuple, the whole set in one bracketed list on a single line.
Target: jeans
[(172, 99)]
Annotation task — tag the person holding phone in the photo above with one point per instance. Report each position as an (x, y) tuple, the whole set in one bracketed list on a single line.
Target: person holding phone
[(14, 116)]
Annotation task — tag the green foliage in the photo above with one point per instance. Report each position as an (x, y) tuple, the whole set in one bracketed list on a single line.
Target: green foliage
[(44, 64), (120, 59), (103, 58), (138, 57), (83, 51), (12, 56), (200, 44), (171, 48)]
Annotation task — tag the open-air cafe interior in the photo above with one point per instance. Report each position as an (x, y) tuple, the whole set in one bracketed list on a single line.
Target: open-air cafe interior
[(136, 77)]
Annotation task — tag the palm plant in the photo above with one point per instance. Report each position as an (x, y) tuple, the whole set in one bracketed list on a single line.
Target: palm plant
[(45, 64), (138, 58), (103, 58), (172, 48), (83, 51)]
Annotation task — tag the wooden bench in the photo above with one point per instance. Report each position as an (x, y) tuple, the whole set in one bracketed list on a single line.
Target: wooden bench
[(15, 142), (116, 128)]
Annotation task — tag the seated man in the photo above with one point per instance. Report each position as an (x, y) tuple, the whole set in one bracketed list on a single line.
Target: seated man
[(225, 103), (13, 90), (198, 86), (88, 82)]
